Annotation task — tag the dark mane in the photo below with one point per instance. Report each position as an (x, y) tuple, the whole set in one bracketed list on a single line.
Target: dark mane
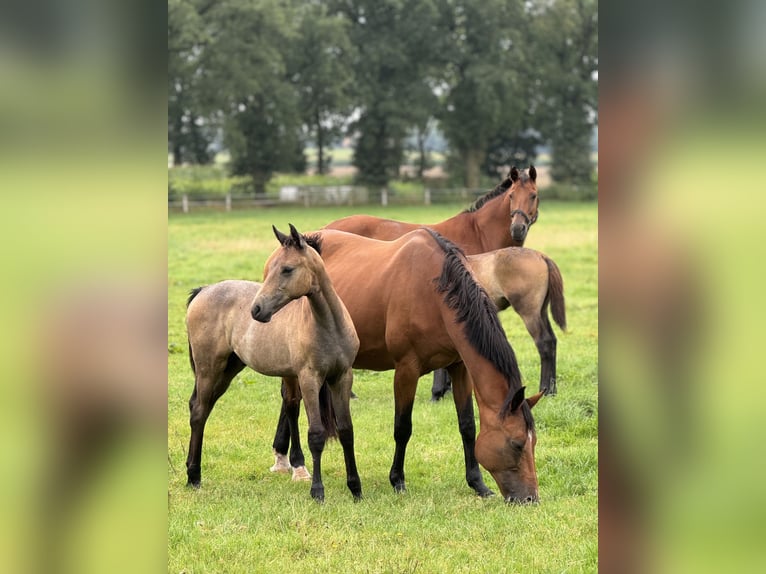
[(501, 188), (313, 240), (478, 315)]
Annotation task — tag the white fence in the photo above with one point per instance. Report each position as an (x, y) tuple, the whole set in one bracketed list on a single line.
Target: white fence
[(309, 196)]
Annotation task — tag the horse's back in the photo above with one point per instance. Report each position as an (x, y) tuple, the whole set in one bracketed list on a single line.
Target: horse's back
[(372, 227)]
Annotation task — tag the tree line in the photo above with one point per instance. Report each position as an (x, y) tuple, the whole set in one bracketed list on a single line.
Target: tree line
[(499, 78)]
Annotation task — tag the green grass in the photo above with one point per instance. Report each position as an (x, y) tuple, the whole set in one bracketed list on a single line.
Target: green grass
[(244, 519)]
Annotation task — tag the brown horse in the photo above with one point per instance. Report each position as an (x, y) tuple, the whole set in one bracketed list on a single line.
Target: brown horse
[(417, 308), (528, 281), (308, 342), (501, 218)]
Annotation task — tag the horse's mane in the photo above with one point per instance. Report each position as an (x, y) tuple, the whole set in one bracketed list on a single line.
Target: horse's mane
[(501, 188), (481, 325), (313, 240)]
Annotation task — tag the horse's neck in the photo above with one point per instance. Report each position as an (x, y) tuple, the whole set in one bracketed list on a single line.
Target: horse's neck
[(326, 306), (489, 384), (479, 231)]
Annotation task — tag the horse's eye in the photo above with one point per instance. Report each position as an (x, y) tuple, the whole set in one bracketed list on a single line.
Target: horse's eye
[(287, 270), (534, 196)]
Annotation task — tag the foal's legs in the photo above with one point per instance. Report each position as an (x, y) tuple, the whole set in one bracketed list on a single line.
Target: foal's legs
[(212, 379), (462, 392), (310, 384), (341, 394), (405, 383)]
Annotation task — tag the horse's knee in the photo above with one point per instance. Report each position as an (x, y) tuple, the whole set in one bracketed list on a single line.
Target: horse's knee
[(317, 439)]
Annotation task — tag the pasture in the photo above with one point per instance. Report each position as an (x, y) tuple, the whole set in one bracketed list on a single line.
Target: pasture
[(246, 519)]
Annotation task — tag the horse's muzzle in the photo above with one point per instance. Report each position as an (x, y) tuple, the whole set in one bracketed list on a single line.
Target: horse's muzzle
[(519, 232), (260, 315), (530, 499)]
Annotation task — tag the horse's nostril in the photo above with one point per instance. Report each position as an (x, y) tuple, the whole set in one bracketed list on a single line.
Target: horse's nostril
[(256, 311)]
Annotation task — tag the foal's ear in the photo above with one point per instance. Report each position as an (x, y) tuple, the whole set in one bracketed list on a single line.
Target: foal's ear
[(281, 237), (517, 399), (514, 173), (300, 242), (532, 173), (532, 401)]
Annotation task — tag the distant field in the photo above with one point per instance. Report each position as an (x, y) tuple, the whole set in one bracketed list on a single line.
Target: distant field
[(245, 519)]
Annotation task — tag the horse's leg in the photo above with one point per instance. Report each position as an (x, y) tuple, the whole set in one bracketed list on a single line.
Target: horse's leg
[(441, 385), (462, 393), (405, 383), (309, 387), (341, 394), (540, 329), (211, 381), (287, 436)]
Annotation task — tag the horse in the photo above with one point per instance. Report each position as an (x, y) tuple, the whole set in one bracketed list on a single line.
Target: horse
[(528, 281), (293, 326), (416, 308), (500, 218)]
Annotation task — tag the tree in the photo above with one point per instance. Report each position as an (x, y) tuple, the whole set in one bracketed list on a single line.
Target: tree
[(564, 35), (322, 73), (483, 86), (394, 69)]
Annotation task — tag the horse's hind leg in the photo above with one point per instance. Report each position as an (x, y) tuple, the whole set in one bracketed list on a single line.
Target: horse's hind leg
[(405, 383), (462, 393), (211, 381), (341, 393), (287, 435), (540, 329)]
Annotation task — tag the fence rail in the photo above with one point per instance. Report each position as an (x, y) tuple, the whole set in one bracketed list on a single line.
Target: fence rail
[(310, 196)]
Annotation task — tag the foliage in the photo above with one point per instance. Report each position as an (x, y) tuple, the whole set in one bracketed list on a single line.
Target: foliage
[(564, 34), (245, 519)]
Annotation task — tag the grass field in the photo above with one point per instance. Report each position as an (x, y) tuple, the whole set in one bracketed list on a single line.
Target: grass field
[(245, 519)]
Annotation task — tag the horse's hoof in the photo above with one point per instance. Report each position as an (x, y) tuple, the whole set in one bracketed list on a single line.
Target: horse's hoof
[(486, 493), (318, 495), (281, 463), (300, 474), (400, 488), (194, 484), (358, 497)]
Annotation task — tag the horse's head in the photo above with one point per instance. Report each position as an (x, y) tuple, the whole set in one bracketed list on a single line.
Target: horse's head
[(524, 202), (506, 449), (290, 274)]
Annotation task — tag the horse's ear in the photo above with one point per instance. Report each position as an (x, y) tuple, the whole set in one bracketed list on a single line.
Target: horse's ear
[(281, 237), (514, 173), (532, 401), (532, 173), (517, 399), (300, 242)]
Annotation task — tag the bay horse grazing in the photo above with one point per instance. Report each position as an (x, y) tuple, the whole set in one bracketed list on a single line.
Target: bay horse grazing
[(416, 308), (530, 282), (500, 218), (293, 326)]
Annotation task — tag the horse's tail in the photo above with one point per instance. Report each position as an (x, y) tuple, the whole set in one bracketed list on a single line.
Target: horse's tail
[(327, 412), (556, 294), (192, 294)]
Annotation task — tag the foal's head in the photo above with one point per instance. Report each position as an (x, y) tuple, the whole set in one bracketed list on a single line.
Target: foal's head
[(291, 273), (507, 449), (524, 202)]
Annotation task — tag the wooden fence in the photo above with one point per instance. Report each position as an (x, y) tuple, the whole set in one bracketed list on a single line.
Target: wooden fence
[(310, 196)]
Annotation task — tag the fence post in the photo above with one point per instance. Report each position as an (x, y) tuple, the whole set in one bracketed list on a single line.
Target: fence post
[(185, 203), (228, 202), (427, 196), (384, 197)]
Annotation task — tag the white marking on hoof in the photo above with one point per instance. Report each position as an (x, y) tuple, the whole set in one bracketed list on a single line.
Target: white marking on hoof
[(281, 463), (301, 474)]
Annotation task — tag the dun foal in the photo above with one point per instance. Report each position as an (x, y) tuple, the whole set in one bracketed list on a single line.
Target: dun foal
[(233, 324)]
